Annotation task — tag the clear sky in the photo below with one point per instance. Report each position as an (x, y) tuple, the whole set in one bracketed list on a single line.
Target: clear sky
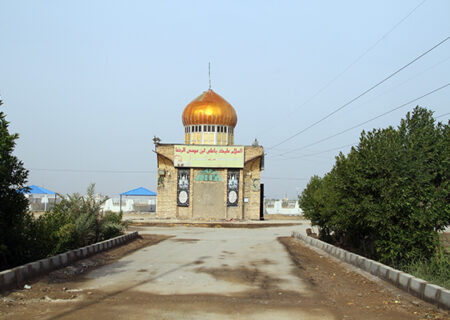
[(87, 84)]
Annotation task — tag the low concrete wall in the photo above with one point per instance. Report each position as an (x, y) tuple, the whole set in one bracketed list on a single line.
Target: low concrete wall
[(278, 208), (16, 277), (418, 287)]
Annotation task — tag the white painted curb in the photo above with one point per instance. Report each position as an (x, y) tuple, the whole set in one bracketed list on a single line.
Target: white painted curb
[(16, 277), (418, 287)]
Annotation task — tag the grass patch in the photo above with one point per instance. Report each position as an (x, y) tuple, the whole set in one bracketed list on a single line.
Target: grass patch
[(431, 271), (435, 270)]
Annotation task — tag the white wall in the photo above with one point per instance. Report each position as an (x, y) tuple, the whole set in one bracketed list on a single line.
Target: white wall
[(128, 205), (278, 209)]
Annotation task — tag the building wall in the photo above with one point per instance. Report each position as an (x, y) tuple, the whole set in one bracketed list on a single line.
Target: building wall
[(166, 206), (249, 188), (252, 180)]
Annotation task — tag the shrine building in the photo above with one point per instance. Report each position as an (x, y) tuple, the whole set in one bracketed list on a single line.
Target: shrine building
[(208, 177)]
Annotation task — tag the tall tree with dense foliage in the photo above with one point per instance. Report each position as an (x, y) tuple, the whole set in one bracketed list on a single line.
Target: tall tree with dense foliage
[(389, 197), (13, 204)]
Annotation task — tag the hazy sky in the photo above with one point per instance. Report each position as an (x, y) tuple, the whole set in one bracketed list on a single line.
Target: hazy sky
[(87, 84)]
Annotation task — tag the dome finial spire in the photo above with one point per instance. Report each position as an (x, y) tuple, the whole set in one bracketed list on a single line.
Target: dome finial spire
[(209, 74)]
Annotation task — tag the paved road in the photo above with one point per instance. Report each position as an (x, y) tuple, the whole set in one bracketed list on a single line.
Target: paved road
[(214, 273), (202, 273)]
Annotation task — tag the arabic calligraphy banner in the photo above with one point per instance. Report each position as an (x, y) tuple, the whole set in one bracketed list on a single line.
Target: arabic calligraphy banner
[(208, 156)]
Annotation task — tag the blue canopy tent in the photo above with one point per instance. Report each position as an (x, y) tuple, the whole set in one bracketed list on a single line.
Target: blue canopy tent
[(38, 190), (33, 189), (136, 192)]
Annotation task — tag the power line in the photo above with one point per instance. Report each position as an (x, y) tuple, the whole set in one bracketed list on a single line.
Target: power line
[(360, 95), (442, 115), (401, 84), (389, 90), (367, 121), (408, 80), (344, 146), (317, 153), (329, 83), (89, 171)]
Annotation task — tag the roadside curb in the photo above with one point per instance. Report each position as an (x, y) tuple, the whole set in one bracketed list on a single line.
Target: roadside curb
[(418, 287), (16, 277)]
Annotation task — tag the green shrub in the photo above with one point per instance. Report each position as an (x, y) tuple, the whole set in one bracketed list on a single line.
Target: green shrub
[(112, 225), (435, 270), (75, 222)]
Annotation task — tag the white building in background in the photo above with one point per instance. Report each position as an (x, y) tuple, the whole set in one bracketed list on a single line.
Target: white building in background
[(40, 199), (285, 206), (137, 200), (114, 205), (130, 205)]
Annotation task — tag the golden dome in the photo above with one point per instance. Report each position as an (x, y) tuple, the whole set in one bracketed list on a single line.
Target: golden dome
[(209, 108)]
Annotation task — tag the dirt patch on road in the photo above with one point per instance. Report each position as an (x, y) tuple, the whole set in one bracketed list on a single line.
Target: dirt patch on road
[(142, 305), (250, 276), (351, 292), (185, 240)]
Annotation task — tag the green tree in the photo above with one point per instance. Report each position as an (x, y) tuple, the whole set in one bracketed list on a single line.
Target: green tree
[(310, 203), (416, 195), (389, 197), (319, 204), (14, 220)]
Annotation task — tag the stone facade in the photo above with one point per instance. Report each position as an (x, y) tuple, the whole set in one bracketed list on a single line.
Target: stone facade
[(208, 199)]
